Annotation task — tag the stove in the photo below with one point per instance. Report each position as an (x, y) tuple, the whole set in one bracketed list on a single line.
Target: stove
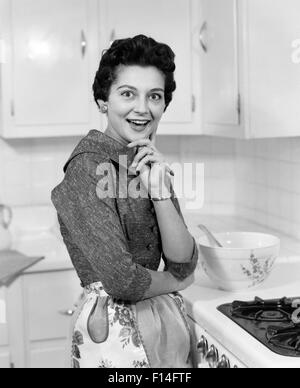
[(274, 323), (255, 328)]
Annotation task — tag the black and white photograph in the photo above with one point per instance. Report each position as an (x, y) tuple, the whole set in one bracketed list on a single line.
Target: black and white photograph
[(149, 186)]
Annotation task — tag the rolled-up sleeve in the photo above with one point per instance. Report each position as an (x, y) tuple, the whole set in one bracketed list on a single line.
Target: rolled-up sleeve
[(95, 227), (181, 270)]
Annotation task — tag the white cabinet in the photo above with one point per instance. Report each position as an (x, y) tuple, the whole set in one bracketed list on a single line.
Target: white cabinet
[(169, 21), (251, 69), (48, 301), (40, 306), (47, 67), (50, 51), (220, 68), (273, 28), (4, 340)]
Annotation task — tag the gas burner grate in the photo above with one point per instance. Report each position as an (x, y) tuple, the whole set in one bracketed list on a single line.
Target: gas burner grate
[(285, 338), (268, 321), (264, 310)]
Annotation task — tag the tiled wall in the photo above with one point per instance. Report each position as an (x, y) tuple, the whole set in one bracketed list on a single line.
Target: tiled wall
[(268, 183), (29, 169), (258, 179)]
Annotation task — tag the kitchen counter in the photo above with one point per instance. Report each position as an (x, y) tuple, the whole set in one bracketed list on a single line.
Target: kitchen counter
[(36, 233), (13, 264), (289, 246)]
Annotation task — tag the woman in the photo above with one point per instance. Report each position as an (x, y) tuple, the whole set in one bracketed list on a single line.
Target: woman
[(119, 216)]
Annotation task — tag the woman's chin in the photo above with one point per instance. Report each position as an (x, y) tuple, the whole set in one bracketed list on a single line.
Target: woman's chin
[(138, 136)]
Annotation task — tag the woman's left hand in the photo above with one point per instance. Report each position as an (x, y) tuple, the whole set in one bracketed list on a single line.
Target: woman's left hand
[(154, 170)]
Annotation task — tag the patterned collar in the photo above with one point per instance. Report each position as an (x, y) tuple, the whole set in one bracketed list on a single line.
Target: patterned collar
[(100, 143)]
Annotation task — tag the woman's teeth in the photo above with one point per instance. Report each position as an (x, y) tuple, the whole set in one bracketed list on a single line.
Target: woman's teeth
[(138, 123)]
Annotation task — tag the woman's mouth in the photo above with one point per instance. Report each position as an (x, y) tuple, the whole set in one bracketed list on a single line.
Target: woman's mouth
[(138, 125)]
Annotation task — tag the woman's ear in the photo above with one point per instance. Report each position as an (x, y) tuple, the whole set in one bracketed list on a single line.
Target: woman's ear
[(102, 106)]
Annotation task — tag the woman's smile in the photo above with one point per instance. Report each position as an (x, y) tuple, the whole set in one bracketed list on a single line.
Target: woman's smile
[(138, 125)]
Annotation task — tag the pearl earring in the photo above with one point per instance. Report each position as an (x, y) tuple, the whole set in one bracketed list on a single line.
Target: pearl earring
[(104, 109)]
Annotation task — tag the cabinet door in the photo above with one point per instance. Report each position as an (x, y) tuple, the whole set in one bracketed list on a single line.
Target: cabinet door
[(3, 319), (4, 359), (274, 67), (48, 297), (51, 44), (220, 71), (4, 351), (51, 355), (168, 21)]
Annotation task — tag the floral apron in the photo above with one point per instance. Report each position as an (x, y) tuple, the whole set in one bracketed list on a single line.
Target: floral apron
[(107, 333)]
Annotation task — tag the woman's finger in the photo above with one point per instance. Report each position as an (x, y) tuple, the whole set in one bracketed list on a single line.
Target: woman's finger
[(145, 160), (140, 143), (143, 152)]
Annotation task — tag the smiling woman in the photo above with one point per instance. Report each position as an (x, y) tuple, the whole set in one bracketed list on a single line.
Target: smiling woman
[(132, 315), (136, 103), (135, 83)]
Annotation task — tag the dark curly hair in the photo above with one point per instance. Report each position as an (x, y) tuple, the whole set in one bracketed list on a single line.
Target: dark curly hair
[(141, 51)]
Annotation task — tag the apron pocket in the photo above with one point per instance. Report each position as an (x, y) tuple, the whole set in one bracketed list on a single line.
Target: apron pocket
[(98, 324)]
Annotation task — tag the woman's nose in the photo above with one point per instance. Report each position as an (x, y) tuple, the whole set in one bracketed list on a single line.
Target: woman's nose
[(141, 106)]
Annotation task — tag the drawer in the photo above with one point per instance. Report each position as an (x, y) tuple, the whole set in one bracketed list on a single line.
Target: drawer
[(46, 297)]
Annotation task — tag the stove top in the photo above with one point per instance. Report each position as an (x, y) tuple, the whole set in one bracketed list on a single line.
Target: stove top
[(275, 323)]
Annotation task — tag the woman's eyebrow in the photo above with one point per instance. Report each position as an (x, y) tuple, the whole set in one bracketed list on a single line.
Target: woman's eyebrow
[(133, 88)]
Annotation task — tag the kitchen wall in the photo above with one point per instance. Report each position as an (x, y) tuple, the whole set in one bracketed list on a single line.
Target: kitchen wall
[(31, 168), (257, 179), (268, 183)]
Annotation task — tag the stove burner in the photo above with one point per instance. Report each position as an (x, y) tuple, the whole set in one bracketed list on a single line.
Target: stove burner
[(285, 338), (269, 321), (264, 310)]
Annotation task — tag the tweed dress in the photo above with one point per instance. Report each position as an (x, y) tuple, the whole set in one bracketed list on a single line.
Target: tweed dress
[(112, 241)]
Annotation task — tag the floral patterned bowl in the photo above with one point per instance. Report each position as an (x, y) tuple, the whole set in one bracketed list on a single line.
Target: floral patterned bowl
[(244, 261)]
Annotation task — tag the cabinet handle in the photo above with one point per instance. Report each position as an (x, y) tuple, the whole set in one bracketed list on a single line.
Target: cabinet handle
[(83, 44), (67, 313), (201, 36)]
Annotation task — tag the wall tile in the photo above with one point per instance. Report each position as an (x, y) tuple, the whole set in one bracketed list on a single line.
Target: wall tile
[(273, 171), (295, 182), (285, 176), (295, 150)]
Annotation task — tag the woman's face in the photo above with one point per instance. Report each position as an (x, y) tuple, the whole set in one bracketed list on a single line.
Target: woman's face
[(136, 103)]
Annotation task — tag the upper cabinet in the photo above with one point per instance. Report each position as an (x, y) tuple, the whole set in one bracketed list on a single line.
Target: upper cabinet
[(251, 68), (48, 57), (50, 51), (169, 21), (218, 40), (273, 93)]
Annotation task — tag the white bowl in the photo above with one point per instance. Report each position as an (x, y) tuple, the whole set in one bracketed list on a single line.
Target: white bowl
[(245, 259)]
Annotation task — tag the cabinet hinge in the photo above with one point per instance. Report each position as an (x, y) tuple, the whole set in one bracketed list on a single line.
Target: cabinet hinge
[(193, 104), (12, 108), (239, 106)]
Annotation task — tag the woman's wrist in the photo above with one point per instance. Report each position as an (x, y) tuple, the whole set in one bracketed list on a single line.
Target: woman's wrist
[(160, 194)]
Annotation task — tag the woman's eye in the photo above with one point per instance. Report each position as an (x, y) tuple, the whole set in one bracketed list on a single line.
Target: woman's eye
[(156, 97), (127, 94)]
